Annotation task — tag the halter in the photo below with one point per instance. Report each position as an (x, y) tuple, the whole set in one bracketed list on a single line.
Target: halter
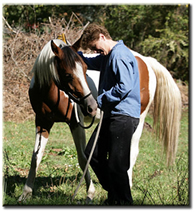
[(79, 101), (78, 120), (70, 93), (71, 96), (76, 99)]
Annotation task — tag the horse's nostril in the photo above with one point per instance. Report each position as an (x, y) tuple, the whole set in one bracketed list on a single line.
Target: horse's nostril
[(90, 110)]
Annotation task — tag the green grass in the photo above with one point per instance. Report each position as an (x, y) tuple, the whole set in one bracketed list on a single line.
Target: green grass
[(59, 174)]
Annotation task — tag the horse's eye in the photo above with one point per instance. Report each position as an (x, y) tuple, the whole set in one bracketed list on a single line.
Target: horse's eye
[(68, 77)]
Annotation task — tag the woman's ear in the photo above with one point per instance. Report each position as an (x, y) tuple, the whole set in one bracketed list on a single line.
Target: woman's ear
[(102, 36)]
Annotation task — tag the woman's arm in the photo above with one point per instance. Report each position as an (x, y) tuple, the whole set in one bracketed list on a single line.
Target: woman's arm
[(93, 63), (124, 74)]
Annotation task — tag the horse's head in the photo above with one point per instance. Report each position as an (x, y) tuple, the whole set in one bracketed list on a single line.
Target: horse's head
[(72, 75)]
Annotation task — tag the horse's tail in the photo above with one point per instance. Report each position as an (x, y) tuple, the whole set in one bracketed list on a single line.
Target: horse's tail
[(167, 109)]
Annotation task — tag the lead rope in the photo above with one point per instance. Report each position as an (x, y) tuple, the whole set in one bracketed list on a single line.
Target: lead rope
[(78, 120), (91, 153)]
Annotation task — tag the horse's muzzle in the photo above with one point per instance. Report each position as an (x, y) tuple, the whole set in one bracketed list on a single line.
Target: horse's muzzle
[(91, 106)]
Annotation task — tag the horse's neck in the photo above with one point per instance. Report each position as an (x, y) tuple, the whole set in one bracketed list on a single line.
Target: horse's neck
[(51, 93)]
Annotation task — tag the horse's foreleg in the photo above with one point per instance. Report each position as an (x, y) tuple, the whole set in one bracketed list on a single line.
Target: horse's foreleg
[(135, 147), (40, 143), (80, 142)]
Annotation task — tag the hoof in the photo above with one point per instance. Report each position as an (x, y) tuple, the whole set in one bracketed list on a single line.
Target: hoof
[(88, 200), (24, 197), (91, 192)]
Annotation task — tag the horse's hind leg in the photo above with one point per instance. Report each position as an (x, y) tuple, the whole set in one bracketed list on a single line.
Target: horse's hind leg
[(135, 146), (40, 143), (80, 142)]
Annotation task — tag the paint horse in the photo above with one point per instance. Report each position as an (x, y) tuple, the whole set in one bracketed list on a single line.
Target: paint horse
[(59, 80), (156, 84)]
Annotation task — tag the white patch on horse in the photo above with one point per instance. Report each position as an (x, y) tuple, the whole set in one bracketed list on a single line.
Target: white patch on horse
[(80, 75), (40, 144), (39, 148)]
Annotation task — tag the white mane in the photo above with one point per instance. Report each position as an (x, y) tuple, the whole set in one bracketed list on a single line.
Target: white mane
[(44, 69)]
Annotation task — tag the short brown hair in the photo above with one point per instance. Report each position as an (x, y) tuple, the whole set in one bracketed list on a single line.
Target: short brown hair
[(91, 33)]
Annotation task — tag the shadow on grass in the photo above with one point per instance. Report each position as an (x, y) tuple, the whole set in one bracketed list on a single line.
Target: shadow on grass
[(45, 190)]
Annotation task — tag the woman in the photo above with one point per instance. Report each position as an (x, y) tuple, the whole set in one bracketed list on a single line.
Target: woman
[(119, 98)]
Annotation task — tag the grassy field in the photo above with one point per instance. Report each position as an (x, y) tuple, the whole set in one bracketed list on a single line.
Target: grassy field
[(59, 174)]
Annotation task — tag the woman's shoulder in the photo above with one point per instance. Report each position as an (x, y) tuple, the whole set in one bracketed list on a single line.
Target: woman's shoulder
[(121, 52)]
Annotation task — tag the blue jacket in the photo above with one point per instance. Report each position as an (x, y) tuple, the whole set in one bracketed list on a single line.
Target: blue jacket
[(119, 85)]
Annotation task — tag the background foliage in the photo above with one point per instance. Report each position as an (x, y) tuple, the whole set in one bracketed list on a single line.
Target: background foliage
[(160, 31)]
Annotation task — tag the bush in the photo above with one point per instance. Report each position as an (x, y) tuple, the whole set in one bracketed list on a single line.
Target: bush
[(171, 48), (159, 31)]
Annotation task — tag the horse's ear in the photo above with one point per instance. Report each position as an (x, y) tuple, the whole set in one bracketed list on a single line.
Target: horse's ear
[(56, 50), (77, 44)]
